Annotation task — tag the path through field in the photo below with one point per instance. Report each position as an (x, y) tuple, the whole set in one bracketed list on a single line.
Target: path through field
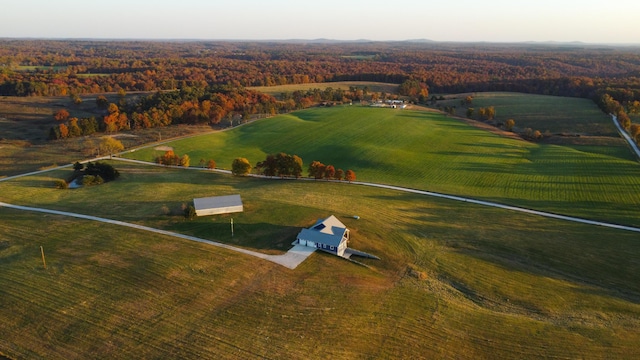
[(294, 257)]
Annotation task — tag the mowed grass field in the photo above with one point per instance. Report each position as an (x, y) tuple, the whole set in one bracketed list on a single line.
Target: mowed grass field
[(456, 280), (429, 151), (556, 114)]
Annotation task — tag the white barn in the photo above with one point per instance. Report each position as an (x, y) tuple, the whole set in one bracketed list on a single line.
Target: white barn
[(218, 205)]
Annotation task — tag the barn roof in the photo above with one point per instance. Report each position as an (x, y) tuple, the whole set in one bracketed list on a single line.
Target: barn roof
[(217, 202)]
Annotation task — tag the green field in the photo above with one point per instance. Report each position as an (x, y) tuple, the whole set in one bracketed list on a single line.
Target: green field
[(558, 115), (431, 152), (455, 280), (343, 85)]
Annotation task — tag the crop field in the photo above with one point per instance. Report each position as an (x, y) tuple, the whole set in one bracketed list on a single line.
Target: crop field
[(431, 152), (343, 85), (558, 115), (456, 280)]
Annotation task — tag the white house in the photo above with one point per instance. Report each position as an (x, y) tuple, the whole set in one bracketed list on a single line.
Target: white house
[(326, 234), (218, 205)]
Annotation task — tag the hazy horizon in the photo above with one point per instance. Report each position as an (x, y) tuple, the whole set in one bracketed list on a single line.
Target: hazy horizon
[(494, 21)]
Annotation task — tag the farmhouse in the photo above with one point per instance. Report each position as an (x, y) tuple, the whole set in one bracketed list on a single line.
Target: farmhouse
[(328, 234), (218, 205)]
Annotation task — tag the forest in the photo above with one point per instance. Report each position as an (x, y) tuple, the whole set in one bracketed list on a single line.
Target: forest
[(208, 78)]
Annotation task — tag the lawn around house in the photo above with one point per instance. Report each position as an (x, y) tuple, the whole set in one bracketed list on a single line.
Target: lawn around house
[(429, 151)]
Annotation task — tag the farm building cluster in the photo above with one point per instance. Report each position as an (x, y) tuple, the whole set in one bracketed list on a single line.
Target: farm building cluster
[(394, 104)]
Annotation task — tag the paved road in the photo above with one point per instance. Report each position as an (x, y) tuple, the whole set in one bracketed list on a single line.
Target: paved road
[(626, 135), (429, 193), (296, 255), (291, 259)]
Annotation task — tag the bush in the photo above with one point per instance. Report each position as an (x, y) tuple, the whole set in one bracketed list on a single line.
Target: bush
[(190, 212), (88, 180), (105, 171), (240, 166), (61, 184)]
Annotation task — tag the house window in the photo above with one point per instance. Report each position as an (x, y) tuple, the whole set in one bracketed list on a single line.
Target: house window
[(332, 248)]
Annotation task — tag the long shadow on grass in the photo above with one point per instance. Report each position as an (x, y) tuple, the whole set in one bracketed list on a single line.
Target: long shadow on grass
[(276, 239), (598, 261)]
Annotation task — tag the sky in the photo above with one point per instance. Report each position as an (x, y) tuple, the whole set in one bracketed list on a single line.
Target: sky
[(612, 21)]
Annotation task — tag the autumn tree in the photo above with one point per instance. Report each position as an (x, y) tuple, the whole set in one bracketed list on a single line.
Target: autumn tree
[(64, 131), (634, 131), (185, 160), (329, 172), (110, 145), (74, 129), (169, 158), (61, 115), (316, 169), (350, 175), (509, 124), (240, 167), (624, 119), (413, 88), (77, 100), (211, 164), (482, 113), (268, 167), (491, 113), (280, 165), (339, 174)]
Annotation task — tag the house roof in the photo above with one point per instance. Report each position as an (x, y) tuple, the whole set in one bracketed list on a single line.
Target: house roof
[(217, 202), (329, 231)]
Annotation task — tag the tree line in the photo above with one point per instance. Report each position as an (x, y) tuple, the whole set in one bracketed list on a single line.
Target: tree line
[(63, 68), (288, 165)]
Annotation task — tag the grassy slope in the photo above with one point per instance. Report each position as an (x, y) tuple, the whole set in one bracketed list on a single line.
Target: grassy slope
[(510, 287), (541, 112), (428, 151)]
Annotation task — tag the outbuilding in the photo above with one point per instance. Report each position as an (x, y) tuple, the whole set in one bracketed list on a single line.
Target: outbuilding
[(328, 234), (218, 205)]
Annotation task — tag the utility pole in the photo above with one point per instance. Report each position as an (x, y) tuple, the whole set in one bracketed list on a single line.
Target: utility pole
[(43, 261)]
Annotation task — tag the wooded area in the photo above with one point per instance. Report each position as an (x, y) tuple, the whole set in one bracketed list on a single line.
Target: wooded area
[(47, 67), (208, 78)]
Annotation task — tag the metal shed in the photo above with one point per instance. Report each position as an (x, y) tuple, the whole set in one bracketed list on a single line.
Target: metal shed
[(218, 205)]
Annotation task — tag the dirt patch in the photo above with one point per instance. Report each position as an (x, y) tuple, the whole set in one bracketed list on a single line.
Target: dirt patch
[(163, 148)]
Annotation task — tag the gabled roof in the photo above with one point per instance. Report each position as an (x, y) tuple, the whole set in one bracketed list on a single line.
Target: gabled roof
[(329, 231), (218, 205)]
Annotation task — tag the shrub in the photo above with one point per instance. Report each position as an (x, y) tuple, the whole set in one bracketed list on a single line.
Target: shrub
[(190, 212), (88, 180), (240, 166), (61, 184), (105, 171)]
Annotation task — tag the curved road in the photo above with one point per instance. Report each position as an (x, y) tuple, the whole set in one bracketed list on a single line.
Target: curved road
[(291, 259), (296, 255), (626, 135)]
